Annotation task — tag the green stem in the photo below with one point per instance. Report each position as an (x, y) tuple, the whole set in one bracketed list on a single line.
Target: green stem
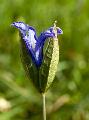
[(44, 107)]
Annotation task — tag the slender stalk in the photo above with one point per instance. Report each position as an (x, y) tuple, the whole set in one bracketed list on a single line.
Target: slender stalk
[(44, 107)]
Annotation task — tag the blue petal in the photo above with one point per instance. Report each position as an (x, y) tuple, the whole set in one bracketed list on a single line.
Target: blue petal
[(44, 35), (23, 27), (29, 36), (59, 31), (20, 25)]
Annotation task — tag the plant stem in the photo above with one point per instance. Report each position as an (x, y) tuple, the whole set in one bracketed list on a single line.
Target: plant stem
[(44, 107)]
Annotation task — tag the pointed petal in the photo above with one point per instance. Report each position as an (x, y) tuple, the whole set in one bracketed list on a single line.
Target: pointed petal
[(20, 25), (28, 34)]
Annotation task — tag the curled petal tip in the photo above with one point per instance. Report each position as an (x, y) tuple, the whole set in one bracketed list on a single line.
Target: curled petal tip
[(59, 31), (19, 25), (13, 24)]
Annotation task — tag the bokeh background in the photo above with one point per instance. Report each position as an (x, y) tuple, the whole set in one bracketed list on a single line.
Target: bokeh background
[(68, 97)]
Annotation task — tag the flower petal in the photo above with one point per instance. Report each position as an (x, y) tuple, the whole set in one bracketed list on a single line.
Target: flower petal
[(28, 34), (59, 31), (20, 25)]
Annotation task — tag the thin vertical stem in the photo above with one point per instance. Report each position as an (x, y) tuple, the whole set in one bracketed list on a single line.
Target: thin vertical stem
[(44, 107)]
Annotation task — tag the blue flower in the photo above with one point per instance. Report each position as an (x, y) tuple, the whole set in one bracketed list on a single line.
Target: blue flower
[(33, 43)]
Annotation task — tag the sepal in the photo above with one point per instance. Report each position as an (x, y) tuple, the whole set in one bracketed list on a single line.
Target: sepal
[(49, 65)]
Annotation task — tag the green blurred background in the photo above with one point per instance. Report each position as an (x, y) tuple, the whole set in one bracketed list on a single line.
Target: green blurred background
[(68, 97)]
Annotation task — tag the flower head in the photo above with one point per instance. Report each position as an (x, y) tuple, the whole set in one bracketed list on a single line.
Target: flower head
[(33, 43)]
